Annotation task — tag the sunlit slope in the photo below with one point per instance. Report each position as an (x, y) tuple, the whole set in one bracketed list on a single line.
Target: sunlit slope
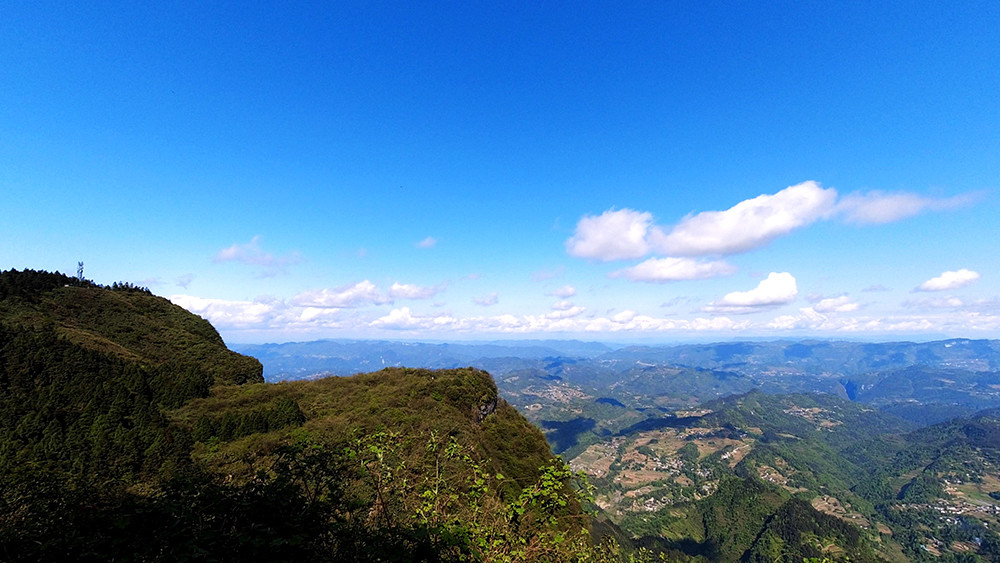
[(126, 322), (129, 431), (235, 425)]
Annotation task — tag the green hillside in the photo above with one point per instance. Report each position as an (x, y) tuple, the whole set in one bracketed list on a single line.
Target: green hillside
[(759, 477), (121, 321), (129, 432)]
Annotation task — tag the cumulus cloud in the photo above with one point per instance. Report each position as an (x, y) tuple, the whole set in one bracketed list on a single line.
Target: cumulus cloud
[(398, 319), (487, 300), (355, 295), (776, 289), (409, 291), (312, 314), (252, 254), (842, 304), (563, 292), (808, 318), (428, 242), (877, 207), (228, 313), (565, 313), (612, 235), (751, 223), (663, 270), (949, 280)]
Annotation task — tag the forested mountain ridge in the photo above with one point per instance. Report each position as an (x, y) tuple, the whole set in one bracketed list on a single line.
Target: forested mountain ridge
[(129, 432), (123, 321)]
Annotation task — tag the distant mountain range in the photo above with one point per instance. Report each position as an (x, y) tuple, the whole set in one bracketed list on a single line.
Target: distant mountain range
[(305, 360), (294, 360), (943, 378)]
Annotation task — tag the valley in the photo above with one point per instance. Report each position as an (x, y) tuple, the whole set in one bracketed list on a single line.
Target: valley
[(865, 433)]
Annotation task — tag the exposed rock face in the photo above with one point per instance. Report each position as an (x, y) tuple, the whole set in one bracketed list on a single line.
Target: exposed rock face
[(485, 410)]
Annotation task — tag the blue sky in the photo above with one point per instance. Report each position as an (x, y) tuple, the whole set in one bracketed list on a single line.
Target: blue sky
[(656, 171)]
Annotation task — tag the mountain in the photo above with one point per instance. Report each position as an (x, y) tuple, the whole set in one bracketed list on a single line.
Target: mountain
[(124, 322), (129, 432), (819, 357), (884, 489), (925, 382), (297, 360)]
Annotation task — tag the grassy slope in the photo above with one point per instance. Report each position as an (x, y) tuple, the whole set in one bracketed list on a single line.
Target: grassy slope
[(133, 326), (410, 403)]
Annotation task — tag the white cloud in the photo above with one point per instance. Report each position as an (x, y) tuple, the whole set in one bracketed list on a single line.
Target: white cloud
[(952, 322), (355, 295), (185, 280), (562, 306), (408, 291), (404, 319), (842, 304), (487, 300), (563, 292), (662, 270), (613, 235), (877, 207), (624, 316), (280, 317), (252, 254), (776, 289), (717, 323), (428, 242), (228, 313), (399, 319), (565, 313), (808, 318), (311, 314), (950, 280), (751, 223)]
